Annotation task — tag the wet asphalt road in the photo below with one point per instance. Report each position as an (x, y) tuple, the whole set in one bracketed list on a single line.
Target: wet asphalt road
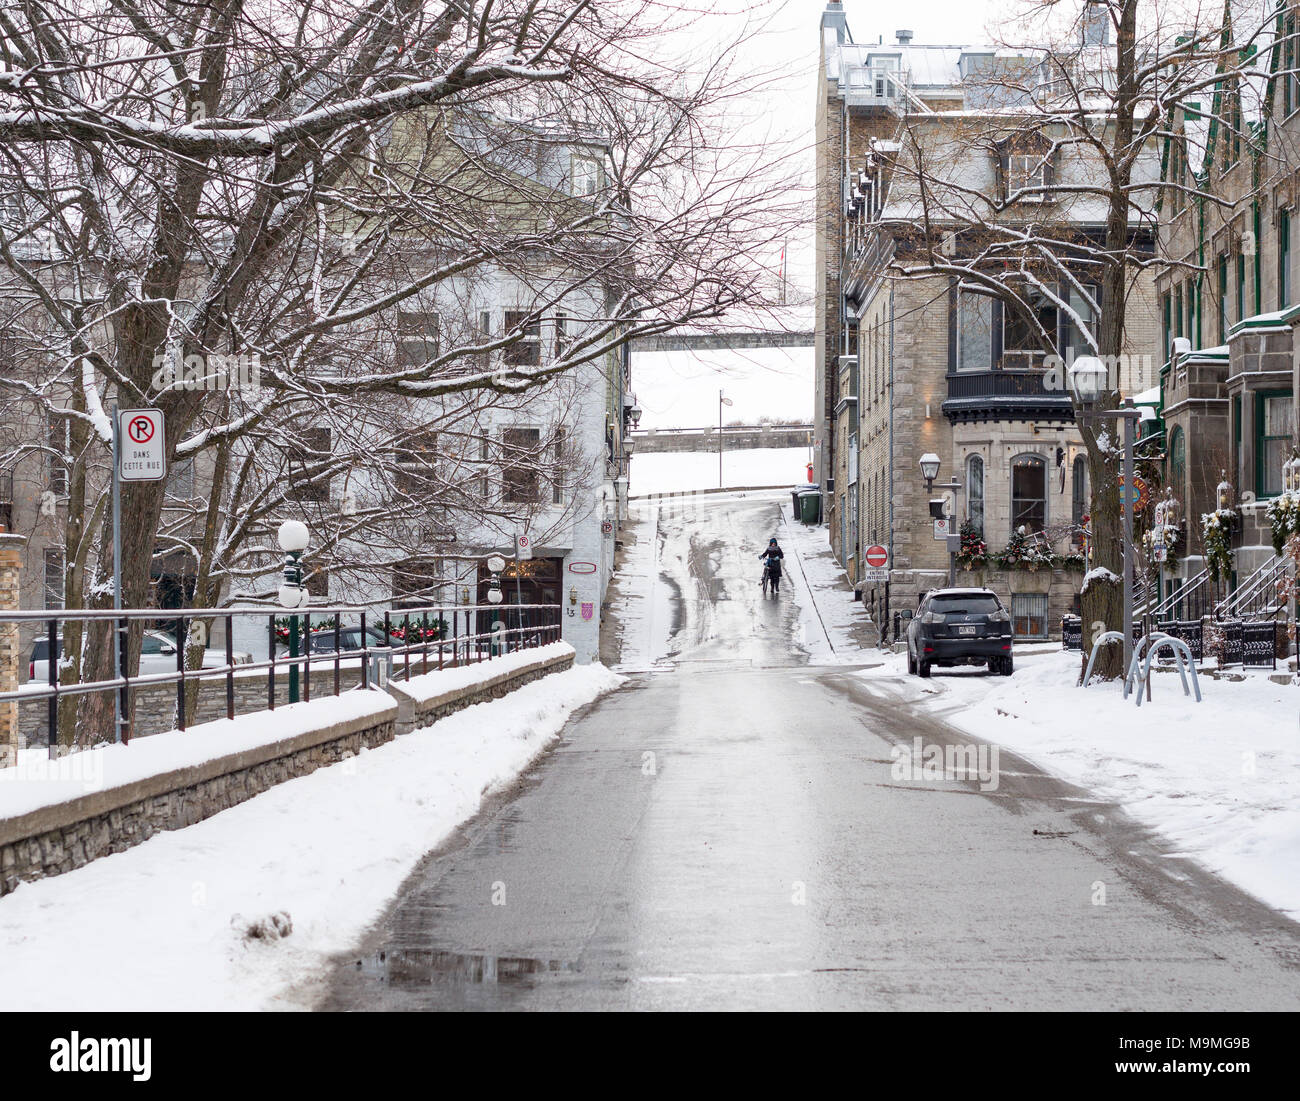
[(724, 833)]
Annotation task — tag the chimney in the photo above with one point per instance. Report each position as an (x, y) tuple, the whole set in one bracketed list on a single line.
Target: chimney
[(904, 37)]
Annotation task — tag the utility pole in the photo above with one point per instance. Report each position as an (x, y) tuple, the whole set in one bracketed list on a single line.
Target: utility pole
[(721, 402)]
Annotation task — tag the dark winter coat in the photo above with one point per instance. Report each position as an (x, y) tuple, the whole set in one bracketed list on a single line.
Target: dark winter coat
[(774, 556)]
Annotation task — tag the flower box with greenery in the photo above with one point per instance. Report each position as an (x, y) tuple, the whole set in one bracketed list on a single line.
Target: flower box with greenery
[(1216, 535), (1284, 517)]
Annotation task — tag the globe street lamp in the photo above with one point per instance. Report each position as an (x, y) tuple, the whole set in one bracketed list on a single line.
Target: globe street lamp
[(293, 538)]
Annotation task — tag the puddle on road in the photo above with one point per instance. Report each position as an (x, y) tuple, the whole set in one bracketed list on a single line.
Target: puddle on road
[(410, 967)]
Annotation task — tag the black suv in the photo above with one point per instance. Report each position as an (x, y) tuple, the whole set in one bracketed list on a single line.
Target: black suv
[(959, 627)]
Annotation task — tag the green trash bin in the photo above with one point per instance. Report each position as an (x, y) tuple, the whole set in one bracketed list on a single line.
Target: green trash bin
[(810, 507)]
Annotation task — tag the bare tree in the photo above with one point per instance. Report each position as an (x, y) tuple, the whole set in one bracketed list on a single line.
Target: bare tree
[(187, 186)]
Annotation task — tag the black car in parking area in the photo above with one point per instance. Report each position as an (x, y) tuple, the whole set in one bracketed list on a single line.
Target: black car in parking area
[(959, 627)]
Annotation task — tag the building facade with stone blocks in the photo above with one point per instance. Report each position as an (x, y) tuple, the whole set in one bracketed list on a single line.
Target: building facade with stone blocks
[(911, 363)]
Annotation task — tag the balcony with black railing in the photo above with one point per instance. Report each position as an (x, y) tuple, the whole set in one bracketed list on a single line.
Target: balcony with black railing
[(1005, 395)]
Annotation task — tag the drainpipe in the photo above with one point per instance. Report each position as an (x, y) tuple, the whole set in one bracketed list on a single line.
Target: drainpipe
[(1259, 297), (1200, 259), (890, 490)]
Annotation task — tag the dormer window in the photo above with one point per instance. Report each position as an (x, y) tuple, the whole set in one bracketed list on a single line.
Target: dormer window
[(1026, 169)]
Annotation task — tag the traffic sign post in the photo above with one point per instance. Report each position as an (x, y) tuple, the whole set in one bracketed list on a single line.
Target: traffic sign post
[(139, 455), (142, 446)]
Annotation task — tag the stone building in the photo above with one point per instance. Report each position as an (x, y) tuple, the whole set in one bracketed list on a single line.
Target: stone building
[(1229, 306), (917, 363)]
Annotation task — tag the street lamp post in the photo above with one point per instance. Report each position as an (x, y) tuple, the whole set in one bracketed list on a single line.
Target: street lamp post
[(293, 538), (929, 471), (495, 565), (721, 402), (1088, 377)]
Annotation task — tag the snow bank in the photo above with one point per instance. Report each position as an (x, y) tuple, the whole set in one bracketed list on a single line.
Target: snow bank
[(1219, 779), (37, 781), (164, 925), (431, 685)]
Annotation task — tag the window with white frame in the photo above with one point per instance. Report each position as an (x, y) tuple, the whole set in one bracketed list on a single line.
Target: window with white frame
[(1024, 326), (974, 332), (1026, 170), (587, 175), (1028, 493)]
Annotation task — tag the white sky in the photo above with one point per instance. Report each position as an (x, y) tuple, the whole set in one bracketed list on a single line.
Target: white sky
[(682, 390)]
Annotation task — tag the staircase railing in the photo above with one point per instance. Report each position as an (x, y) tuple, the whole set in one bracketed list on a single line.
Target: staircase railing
[(1257, 597)]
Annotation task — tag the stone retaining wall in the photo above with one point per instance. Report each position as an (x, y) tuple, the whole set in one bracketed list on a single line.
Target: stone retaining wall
[(63, 836)]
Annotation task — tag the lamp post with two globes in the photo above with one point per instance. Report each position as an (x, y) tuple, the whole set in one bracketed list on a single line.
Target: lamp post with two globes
[(293, 538), (1087, 379)]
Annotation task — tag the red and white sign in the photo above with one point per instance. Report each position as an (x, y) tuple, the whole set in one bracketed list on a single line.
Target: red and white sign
[(523, 546), (141, 445), (877, 556)]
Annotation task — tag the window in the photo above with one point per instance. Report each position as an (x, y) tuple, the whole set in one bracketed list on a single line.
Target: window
[(975, 492), (309, 458), (1178, 461), (484, 454), (417, 337), (1223, 298), (1075, 341), (60, 444), (1027, 170), (1178, 310), (558, 468), (587, 175), (6, 500), (526, 352), (416, 464), (520, 479), (53, 577), (1029, 493), (416, 582), (1241, 288), (1275, 424), (1190, 301), (974, 332), (1283, 259), (1022, 346), (1166, 322), (1029, 615), (561, 334)]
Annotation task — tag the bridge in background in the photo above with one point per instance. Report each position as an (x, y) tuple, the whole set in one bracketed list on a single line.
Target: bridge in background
[(738, 437)]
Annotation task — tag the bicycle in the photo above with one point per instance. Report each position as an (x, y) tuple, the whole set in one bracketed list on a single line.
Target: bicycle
[(772, 578)]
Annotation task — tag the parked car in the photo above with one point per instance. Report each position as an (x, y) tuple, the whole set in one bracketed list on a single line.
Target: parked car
[(157, 655), (322, 641), (960, 627)]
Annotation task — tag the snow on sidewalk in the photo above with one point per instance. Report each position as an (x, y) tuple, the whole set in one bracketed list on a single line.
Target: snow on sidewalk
[(1219, 779), (835, 627), (162, 926)]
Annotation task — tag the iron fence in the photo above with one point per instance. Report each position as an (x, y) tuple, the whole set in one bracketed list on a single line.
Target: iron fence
[(414, 640)]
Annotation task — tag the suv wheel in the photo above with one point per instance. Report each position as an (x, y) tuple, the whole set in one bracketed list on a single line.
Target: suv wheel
[(1006, 667), (923, 668)]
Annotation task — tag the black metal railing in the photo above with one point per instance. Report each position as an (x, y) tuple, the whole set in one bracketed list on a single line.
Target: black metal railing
[(1004, 384), (414, 640)]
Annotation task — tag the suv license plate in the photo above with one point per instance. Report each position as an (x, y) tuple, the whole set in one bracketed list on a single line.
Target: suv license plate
[(966, 630)]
